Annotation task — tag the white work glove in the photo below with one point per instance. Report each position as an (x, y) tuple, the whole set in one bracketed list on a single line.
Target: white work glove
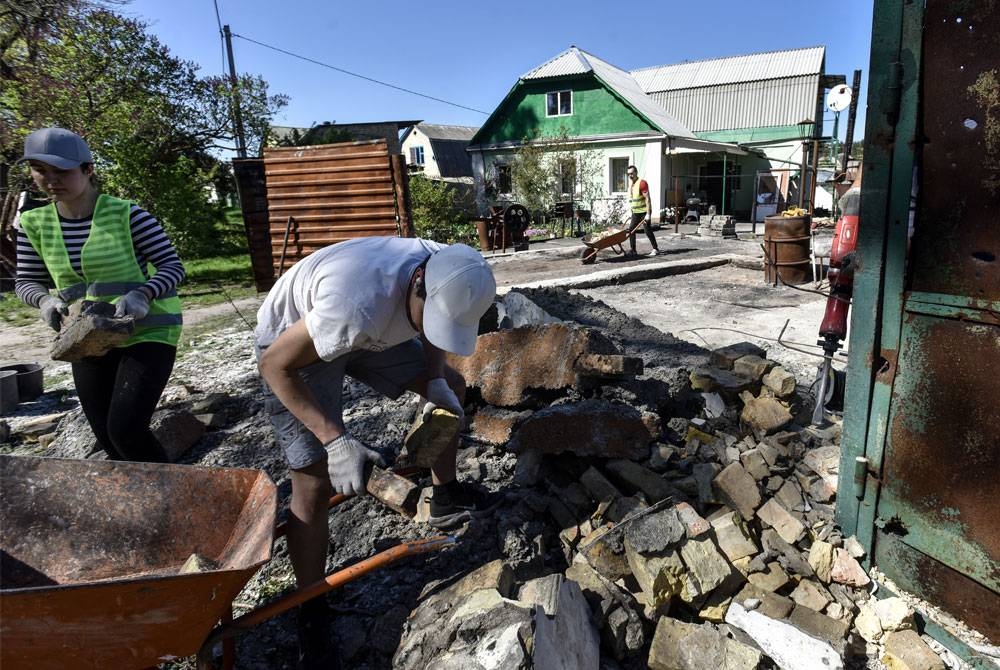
[(439, 394), (134, 304), (346, 460), (53, 310)]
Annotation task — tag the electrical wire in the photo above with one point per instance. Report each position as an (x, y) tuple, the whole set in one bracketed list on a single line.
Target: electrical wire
[(222, 36), (359, 76)]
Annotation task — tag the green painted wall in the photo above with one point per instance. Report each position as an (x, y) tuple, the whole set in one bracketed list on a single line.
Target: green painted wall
[(595, 112)]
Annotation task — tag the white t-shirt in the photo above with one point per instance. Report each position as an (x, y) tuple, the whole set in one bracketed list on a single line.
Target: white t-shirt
[(352, 295)]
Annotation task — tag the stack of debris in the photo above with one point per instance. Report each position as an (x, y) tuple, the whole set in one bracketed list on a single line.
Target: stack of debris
[(717, 225), (697, 544)]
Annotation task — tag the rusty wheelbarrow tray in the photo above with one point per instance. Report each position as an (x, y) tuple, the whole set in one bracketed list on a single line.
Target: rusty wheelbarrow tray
[(612, 238), (91, 552)]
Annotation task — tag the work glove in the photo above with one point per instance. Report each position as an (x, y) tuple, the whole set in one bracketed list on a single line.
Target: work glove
[(53, 310), (439, 394), (346, 461), (134, 304)]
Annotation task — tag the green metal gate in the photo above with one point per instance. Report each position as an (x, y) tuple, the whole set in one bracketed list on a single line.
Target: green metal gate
[(922, 407)]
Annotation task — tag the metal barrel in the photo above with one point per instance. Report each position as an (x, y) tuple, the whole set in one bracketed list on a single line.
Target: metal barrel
[(786, 248)]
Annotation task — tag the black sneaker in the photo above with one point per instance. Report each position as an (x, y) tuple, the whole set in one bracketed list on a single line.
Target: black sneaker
[(317, 648), (454, 503)]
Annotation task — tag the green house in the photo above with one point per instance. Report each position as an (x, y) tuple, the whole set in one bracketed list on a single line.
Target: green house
[(729, 131)]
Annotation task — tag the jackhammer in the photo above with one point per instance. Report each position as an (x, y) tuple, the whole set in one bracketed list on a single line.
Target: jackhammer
[(833, 329)]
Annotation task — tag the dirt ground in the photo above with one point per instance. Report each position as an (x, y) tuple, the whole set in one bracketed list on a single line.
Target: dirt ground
[(671, 321)]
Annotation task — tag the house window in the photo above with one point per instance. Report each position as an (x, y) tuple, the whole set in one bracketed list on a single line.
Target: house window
[(559, 103), (416, 155), (567, 177), (504, 181), (619, 178)]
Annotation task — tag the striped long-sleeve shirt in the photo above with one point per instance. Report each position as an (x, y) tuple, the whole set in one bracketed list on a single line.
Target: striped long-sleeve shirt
[(149, 241)]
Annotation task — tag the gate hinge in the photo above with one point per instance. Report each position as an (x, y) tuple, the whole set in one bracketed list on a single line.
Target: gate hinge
[(895, 93)]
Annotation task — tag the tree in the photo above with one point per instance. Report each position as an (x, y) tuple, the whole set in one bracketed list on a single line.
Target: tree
[(150, 120)]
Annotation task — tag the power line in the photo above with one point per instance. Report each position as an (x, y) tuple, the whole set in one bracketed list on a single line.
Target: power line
[(359, 76), (222, 37)]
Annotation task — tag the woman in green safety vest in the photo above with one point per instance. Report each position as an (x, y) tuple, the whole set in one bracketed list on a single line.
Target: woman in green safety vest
[(88, 245)]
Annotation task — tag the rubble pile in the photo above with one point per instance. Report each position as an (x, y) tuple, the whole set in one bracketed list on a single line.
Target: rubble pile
[(658, 506), (704, 543)]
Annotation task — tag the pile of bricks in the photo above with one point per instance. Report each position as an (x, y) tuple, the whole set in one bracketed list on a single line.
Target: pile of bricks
[(698, 544)]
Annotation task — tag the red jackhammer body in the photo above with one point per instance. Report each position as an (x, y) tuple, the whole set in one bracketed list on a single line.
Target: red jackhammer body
[(833, 329)]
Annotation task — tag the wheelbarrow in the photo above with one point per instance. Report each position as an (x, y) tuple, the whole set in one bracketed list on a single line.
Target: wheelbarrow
[(611, 238), (98, 569)]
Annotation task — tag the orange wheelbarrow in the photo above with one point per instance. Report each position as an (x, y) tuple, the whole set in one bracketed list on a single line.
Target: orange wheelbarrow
[(612, 238), (129, 565)]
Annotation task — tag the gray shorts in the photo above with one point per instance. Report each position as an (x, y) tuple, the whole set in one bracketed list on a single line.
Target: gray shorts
[(389, 372)]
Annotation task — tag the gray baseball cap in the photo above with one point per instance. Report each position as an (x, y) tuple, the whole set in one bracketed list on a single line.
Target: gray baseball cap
[(56, 146)]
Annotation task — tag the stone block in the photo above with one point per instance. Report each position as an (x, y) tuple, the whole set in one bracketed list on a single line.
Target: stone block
[(771, 579), (765, 415), (794, 560), (780, 382), (726, 383), (854, 547), (771, 604), (732, 536), (821, 556), (564, 636), (905, 650), (508, 364), (777, 517), (655, 532), (694, 524), (809, 594), (752, 366), (754, 463), (639, 479), (867, 623), (788, 646), (821, 627), (704, 475), (590, 428), (598, 486), (395, 492), (660, 576), (737, 489), (527, 469), (607, 366), (894, 614), (495, 425), (789, 495), (93, 331), (603, 556), (848, 571), (177, 430), (725, 357), (705, 564), (686, 646)]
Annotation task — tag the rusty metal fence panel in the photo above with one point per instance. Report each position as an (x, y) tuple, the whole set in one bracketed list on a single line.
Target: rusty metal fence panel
[(324, 194)]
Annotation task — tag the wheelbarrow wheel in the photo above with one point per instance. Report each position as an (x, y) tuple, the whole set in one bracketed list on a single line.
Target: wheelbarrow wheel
[(589, 256)]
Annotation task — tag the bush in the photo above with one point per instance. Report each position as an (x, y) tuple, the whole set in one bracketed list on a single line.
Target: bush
[(440, 212)]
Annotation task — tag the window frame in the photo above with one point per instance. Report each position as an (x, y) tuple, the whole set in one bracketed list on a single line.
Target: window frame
[(624, 173), (571, 164), (504, 173), (559, 95), (414, 150)]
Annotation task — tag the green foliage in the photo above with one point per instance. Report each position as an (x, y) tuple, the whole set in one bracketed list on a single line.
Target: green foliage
[(151, 122), (440, 212), (542, 165)]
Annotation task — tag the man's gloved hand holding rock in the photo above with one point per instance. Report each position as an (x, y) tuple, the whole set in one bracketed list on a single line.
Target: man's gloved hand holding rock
[(346, 461), (439, 394), (134, 304), (53, 310)]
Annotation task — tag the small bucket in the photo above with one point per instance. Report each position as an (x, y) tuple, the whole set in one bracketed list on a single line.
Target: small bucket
[(30, 383), (8, 392)]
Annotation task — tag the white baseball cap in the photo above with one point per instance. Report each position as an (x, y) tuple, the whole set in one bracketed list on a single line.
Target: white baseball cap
[(59, 147), (460, 288)]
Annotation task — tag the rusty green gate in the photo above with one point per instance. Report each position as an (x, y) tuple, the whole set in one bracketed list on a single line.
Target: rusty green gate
[(920, 466)]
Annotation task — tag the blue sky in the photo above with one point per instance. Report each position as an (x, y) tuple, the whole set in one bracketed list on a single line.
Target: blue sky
[(471, 53)]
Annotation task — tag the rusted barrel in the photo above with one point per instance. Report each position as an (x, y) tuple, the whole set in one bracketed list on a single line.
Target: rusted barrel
[(786, 247)]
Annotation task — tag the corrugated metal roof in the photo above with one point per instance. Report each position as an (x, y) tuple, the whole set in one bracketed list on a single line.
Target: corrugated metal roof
[(743, 105), (568, 62), (731, 70), (441, 132), (576, 61)]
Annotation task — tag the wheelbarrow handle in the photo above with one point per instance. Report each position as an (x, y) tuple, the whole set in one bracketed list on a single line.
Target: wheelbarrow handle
[(332, 581)]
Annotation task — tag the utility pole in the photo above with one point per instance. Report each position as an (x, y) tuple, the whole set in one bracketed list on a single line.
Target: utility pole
[(851, 115), (241, 144)]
